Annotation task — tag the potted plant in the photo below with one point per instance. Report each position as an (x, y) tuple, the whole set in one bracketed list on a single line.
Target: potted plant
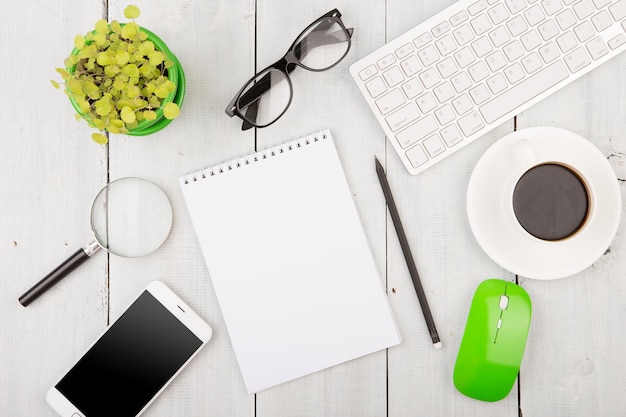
[(121, 78)]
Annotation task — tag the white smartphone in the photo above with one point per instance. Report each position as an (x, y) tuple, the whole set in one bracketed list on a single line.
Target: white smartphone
[(135, 358)]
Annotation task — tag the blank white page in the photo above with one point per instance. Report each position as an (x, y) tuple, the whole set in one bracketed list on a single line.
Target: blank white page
[(289, 260)]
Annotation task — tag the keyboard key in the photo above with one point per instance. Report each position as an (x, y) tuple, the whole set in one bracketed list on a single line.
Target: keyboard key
[(462, 104), (499, 36), (376, 87), (534, 15), (459, 18), (618, 10), (498, 13), (597, 48), (549, 29), (422, 40), (417, 131), (430, 77), (416, 156), (440, 29), (601, 20), (514, 73), (567, 42), (472, 65), (428, 55), (412, 88), (551, 6), (577, 59), (617, 41), (480, 93), (433, 145), (426, 102), (471, 123), (411, 65), (461, 82), (451, 135), (447, 67), (480, 24), (478, 71), (368, 72), (566, 19), (584, 31), (521, 93), (477, 7), (390, 101), (601, 3), (443, 92), (497, 83), (464, 57), (445, 114), (482, 47), (393, 77), (517, 25), (403, 117), (583, 9), (445, 45), (496, 61), (531, 40), (532, 62), (515, 6), (463, 34), (404, 51), (549, 52), (513, 51), (386, 62)]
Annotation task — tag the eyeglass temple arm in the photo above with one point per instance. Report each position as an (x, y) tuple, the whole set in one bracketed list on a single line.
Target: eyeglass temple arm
[(313, 40), (251, 100), (251, 114), (264, 83)]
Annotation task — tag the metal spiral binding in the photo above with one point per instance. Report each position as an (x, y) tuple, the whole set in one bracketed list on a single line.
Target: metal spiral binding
[(256, 157)]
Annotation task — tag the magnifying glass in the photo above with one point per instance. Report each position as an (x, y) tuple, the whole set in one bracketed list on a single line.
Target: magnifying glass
[(130, 217)]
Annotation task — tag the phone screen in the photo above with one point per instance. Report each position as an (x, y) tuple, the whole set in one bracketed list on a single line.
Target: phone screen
[(131, 362)]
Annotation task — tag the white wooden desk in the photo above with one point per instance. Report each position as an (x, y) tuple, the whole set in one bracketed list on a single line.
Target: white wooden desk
[(50, 170)]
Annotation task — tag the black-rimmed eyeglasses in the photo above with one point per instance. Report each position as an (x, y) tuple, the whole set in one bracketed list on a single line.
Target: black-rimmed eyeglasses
[(267, 95)]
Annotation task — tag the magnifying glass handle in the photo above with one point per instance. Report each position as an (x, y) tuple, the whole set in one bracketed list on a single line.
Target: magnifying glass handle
[(71, 263)]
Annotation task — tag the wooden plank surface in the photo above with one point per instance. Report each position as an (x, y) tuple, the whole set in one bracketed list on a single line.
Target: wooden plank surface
[(50, 170), (573, 365), (451, 265), (204, 36), (326, 100)]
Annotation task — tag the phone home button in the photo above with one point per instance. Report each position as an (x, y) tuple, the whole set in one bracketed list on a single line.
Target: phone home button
[(76, 415)]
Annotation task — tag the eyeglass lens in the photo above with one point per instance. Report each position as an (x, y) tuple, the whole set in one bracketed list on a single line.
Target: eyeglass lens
[(266, 97), (322, 46)]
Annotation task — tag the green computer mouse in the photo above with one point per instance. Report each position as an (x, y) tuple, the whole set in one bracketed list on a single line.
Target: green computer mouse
[(494, 340)]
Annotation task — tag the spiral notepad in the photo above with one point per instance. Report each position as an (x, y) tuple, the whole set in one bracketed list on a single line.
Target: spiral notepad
[(289, 260)]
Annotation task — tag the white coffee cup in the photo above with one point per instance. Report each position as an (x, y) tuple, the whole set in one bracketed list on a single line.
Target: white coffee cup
[(504, 234)]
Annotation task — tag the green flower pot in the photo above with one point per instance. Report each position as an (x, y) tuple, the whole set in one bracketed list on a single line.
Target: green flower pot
[(175, 74)]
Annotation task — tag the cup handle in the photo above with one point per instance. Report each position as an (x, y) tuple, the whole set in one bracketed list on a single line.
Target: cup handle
[(525, 153)]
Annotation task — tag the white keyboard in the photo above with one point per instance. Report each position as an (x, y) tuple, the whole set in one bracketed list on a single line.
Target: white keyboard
[(464, 71)]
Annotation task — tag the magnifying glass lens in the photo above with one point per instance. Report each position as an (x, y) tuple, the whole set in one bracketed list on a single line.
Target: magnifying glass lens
[(131, 217)]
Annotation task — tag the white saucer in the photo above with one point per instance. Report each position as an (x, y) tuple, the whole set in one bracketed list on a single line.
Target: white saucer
[(490, 203)]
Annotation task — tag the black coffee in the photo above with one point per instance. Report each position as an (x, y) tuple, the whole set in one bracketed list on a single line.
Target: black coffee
[(551, 202)]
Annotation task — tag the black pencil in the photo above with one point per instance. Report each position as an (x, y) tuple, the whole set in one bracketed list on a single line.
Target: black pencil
[(407, 255)]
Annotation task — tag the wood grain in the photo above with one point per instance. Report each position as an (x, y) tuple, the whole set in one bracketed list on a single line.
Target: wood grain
[(50, 170)]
